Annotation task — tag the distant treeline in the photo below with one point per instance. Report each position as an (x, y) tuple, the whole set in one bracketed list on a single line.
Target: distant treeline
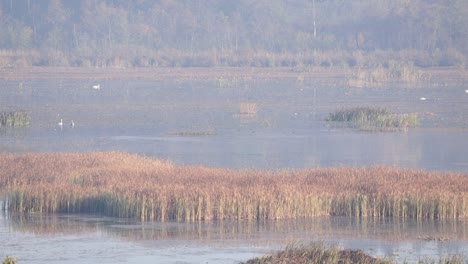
[(267, 33)]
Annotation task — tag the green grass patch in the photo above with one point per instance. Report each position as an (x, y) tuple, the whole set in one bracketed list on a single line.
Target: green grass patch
[(14, 119), (9, 260), (373, 119)]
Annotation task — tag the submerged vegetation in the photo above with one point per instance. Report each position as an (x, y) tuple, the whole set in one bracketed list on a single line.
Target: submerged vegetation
[(14, 118), (125, 185), (373, 119), (317, 253)]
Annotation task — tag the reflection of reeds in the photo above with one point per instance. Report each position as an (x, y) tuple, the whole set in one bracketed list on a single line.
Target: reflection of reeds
[(125, 185), (317, 253), (14, 118), (49, 225), (248, 109), (374, 118)]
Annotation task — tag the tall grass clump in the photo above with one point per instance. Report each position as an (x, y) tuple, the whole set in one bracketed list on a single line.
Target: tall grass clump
[(130, 186), (14, 118), (9, 260), (316, 253), (373, 119)]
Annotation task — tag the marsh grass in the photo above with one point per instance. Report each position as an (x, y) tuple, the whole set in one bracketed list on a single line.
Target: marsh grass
[(9, 260), (131, 186), (373, 119), (317, 253), (14, 118)]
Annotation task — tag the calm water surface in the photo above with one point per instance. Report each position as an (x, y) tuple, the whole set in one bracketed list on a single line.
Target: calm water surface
[(94, 239), (156, 118), (168, 119)]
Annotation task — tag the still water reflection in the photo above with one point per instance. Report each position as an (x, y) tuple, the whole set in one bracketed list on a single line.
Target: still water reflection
[(78, 239)]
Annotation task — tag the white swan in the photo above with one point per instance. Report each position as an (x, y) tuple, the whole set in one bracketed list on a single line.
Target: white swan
[(60, 123), (72, 124), (97, 86)]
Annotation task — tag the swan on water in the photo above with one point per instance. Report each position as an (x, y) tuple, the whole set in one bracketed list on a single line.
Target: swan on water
[(72, 124), (97, 86)]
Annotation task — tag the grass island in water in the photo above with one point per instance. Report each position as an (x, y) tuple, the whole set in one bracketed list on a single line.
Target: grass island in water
[(373, 119)]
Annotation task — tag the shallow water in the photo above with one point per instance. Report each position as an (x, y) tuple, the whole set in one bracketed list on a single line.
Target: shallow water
[(94, 239), (168, 119), (156, 118)]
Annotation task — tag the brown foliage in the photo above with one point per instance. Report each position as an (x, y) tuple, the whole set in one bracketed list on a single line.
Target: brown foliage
[(126, 185)]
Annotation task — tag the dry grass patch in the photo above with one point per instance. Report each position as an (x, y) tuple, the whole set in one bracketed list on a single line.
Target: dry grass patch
[(126, 185), (317, 253)]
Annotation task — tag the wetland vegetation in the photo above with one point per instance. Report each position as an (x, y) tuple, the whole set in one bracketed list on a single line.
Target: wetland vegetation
[(9, 260), (126, 185), (14, 118), (317, 253), (373, 119), (390, 72)]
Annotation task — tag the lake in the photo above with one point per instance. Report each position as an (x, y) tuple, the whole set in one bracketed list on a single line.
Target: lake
[(231, 122)]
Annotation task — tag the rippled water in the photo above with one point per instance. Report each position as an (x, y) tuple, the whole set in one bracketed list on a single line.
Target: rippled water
[(193, 121)]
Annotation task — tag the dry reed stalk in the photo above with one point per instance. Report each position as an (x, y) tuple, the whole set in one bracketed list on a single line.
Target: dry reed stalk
[(248, 109), (125, 185)]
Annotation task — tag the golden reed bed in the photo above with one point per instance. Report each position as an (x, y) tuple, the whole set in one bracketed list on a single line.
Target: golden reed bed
[(126, 185)]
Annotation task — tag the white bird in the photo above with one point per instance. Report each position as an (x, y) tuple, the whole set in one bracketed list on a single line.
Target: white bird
[(466, 91), (97, 86), (72, 124), (60, 123), (423, 98)]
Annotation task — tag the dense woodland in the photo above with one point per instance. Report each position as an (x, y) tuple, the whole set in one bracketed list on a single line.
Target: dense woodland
[(268, 33)]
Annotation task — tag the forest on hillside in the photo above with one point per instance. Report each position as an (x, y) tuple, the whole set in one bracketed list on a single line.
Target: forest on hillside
[(266, 33)]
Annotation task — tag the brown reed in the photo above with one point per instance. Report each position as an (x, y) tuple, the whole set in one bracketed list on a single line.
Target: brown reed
[(248, 109), (126, 185)]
